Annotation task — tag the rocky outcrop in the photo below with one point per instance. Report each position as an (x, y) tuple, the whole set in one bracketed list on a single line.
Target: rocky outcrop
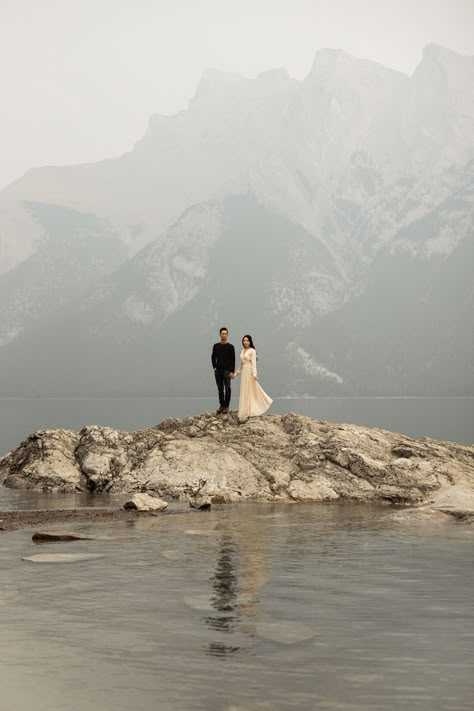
[(45, 461), (274, 457)]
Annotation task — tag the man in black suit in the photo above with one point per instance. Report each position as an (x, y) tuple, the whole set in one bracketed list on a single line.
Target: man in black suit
[(223, 362)]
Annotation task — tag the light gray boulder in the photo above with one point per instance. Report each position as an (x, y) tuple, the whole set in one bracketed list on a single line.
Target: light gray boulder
[(145, 502), (456, 500), (45, 461)]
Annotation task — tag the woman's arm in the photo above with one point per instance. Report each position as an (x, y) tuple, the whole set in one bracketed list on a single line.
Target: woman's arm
[(238, 372), (253, 362)]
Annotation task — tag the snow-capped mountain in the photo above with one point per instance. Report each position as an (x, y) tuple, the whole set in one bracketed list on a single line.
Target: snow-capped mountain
[(332, 218)]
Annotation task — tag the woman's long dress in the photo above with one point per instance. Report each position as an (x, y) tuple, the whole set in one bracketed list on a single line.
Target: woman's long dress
[(253, 400)]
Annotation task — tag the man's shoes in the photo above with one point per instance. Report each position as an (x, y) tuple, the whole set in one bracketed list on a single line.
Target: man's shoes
[(219, 410), (225, 410)]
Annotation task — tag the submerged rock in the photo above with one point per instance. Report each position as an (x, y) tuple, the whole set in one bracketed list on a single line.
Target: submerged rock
[(274, 457), (59, 536), (61, 557), (284, 632)]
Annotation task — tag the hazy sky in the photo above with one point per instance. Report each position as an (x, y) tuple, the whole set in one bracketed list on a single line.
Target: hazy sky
[(80, 78)]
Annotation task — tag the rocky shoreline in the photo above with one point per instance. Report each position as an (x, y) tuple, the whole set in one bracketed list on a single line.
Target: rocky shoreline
[(271, 458)]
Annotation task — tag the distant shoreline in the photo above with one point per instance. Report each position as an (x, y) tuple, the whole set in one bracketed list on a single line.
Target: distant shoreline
[(209, 397)]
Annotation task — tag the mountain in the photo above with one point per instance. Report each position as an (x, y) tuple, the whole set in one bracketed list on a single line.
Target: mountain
[(332, 218)]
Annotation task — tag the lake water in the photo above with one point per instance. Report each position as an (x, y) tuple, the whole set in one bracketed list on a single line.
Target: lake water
[(247, 607), (253, 607)]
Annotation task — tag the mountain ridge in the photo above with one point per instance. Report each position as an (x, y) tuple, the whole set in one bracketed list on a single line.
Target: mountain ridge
[(304, 194)]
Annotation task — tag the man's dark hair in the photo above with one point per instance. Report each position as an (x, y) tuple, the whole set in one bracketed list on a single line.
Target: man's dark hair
[(223, 329)]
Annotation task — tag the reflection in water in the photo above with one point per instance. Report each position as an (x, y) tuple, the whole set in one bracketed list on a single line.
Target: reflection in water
[(238, 576), (225, 584), (218, 649)]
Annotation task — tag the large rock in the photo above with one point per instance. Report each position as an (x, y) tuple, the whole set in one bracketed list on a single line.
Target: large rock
[(45, 461), (457, 500), (274, 457), (145, 502)]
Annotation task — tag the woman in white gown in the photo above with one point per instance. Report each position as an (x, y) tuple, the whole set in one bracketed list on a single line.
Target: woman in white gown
[(253, 400)]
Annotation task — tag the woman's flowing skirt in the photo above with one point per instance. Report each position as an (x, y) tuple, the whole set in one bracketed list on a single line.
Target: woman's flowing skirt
[(253, 399)]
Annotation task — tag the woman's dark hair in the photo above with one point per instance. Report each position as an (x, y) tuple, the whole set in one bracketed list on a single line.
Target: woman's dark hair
[(250, 339)]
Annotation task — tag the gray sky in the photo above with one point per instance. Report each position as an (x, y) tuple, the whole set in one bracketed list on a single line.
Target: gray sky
[(80, 78)]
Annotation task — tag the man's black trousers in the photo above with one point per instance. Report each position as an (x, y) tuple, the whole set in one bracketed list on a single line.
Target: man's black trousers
[(223, 386)]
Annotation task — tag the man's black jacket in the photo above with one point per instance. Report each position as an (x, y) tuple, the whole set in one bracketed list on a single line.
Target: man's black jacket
[(223, 356)]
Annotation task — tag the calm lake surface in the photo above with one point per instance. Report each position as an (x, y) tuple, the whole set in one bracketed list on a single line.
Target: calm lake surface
[(250, 607), (247, 607)]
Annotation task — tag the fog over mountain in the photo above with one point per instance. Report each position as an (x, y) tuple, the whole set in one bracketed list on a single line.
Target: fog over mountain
[(331, 218)]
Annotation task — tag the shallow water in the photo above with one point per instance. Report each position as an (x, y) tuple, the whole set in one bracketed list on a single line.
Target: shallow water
[(24, 500), (257, 606)]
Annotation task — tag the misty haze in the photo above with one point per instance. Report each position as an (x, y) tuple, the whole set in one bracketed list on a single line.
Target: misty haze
[(306, 544), (331, 217)]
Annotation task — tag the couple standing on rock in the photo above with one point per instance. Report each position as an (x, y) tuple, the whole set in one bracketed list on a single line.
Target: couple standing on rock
[(253, 400)]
